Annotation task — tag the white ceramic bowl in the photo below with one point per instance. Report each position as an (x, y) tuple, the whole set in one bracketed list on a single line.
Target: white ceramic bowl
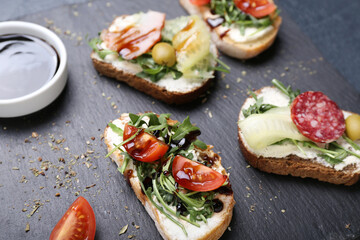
[(43, 96)]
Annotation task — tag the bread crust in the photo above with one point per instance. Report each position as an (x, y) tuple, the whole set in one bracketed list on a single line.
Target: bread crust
[(296, 166), (216, 231), (225, 44), (145, 86)]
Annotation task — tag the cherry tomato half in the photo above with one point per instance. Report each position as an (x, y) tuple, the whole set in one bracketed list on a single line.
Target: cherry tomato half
[(199, 2), (78, 222), (144, 147), (195, 176), (256, 8)]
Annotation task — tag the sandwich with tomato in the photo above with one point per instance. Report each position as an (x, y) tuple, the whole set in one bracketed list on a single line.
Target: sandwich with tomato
[(173, 61), (179, 179), (300, 134), (240, 28)]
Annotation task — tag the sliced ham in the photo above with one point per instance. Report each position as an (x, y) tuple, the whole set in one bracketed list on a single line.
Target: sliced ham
[(133, 40)]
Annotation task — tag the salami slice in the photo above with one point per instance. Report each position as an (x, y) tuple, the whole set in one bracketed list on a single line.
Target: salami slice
[(317, 117)]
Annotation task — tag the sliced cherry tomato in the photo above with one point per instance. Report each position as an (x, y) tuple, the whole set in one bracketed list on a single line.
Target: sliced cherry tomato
[(136, 39), (195, 176), (78, 222), (144, 147), (256, 8), (199, 2)]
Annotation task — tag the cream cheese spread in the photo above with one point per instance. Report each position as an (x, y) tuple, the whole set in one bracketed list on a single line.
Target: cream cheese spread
[(250, 34)]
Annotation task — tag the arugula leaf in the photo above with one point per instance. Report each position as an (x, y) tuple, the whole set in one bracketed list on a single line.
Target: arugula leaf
[(183, 129), (175, 73), (286, 90), (351, 142), (95, 45), (153, 119), (200, 144), (171, 211), (126, 160), (122, 143), (233, 15), (331, 160), (154, 71), (258, 107), (163, 118), (334, 153), (338, 146), (223, 66), (115, 129), (133, 118)]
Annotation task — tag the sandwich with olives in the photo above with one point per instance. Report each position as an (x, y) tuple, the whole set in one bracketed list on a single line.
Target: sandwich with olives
[(300, 134), (178, 178), (239, 28), (173, 61)]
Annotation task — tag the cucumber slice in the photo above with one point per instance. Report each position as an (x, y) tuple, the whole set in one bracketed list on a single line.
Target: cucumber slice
[(279, 110), (192, 44), (262, 130)]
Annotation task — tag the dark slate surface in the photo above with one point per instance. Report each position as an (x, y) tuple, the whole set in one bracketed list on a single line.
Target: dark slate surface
[(332, 26), (268, 206)]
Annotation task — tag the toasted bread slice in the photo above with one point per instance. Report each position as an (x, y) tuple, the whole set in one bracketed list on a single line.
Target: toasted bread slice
[(196, 78), (163, 93), (227, 45), (215, 226), (294, 162)]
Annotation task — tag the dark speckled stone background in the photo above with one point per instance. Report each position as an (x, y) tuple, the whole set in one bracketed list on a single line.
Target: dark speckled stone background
[(268, 206)]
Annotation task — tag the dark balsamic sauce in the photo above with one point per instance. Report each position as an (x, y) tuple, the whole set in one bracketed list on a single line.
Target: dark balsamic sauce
[(181, 208), (226, 190), (147, 183), (224, 33), (128, 174), (26, 64), (217, 205), (185, 142), (209, 160)]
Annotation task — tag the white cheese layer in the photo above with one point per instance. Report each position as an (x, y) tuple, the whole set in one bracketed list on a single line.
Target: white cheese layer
[(250, 34), (274, 96), (182, 85)]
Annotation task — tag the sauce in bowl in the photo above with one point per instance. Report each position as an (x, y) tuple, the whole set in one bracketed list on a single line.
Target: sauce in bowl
[(26, 64)]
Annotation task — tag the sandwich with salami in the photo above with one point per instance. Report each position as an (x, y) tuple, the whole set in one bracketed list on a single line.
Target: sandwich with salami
[(173, 61), (179, 179), (300, 134), (240, 28)]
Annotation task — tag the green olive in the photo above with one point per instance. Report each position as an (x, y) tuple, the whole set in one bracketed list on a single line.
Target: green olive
[(352, 124), (164, 54)]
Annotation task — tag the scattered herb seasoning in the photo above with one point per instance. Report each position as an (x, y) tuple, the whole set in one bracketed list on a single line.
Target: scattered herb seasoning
[(123, 229), (27, 227)]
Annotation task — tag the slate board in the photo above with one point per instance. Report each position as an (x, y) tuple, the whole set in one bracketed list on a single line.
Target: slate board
[(268, 206)]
